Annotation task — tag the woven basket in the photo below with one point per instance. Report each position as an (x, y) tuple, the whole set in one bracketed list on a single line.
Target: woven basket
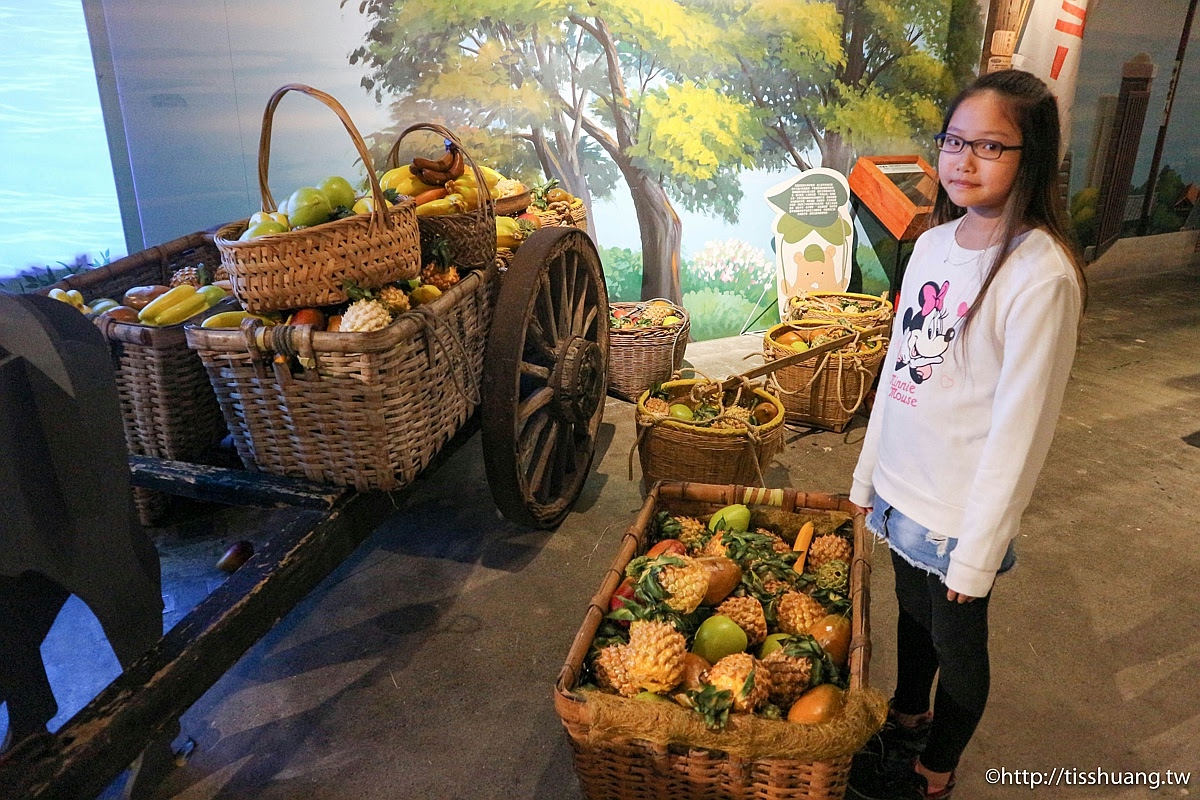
[(824, 393), (617, 763), (307, 267), (368, 410), (470, 237), (638, 358), (168, 408), (827, 307), (671, 449), (562, 215)]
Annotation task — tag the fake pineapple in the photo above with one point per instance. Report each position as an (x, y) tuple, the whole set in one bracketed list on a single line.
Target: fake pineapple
[(834, 576), (394, 299), (654, 659), (747, 612), (439, 271), (791, 674), (744, 677), (829, 547), (610, 666), (193, 276), (679, 582), (693, 533), (797, 612)]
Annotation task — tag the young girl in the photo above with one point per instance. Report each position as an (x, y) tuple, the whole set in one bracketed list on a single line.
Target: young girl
[(981, 348)]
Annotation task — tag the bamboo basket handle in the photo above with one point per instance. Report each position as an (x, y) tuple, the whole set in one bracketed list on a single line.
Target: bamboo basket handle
[(797, 358), (481, 186), (379, 214)]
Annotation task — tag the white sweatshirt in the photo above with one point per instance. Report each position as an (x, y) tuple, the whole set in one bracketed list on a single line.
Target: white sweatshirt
[(960, 428)]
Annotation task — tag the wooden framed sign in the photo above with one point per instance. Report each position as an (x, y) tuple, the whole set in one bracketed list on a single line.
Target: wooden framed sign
[(898, 190)]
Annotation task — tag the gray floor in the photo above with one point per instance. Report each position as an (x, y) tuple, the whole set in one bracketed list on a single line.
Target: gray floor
[(422, 668)]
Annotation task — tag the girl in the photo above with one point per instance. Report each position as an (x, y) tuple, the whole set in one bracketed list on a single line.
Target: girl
[(980, 352)]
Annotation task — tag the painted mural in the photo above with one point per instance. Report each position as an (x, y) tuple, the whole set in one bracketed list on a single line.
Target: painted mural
[(672, 119)]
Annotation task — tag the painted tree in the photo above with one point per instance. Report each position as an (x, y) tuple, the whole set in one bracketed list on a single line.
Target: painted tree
[(629, 78), (849, 76)]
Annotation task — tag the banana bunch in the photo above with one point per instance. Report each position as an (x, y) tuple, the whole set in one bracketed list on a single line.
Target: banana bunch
[(438, 173)]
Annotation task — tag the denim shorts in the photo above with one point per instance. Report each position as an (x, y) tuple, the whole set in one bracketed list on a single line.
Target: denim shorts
[(917, 544)]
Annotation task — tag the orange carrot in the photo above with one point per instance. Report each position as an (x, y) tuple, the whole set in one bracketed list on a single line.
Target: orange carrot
[(431, 194)]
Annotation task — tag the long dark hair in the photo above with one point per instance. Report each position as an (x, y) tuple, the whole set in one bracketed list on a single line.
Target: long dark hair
[(1034, 200)]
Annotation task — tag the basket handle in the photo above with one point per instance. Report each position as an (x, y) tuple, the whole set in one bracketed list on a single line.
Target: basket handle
[(485, 194), (379, 215), (796, 358)]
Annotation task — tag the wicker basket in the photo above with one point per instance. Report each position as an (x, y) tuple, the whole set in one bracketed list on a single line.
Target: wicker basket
[(167, 405), (671, 449), (470, 237), (825, 392), (615, 763), (368, 410), (562, 214), (638, 358), (828, 307), (307, 267)]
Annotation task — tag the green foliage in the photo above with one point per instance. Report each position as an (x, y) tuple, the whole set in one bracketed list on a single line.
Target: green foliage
[(622, 273), (715, 315)]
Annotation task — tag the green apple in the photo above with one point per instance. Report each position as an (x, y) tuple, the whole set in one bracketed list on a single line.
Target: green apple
[(337, 191), (730, 518), (680, 411), (265, 228), (651, 697), (773, 642), (717, 637), (307, 207)]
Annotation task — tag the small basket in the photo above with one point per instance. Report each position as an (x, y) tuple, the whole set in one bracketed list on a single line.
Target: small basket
[(616, 761), (168, 408), (470, 237), (368, 410), (827, 393), (562, 214), (828, 307), (638, 358), (671, 449), (307, 267)]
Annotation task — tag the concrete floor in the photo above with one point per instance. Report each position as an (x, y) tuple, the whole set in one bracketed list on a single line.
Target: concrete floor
[(423, 667)]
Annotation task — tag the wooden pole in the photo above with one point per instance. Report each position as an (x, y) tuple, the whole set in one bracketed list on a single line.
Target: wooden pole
[(1152, 181)]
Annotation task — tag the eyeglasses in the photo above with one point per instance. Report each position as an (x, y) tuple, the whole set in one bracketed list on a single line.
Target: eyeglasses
[(982, 148)]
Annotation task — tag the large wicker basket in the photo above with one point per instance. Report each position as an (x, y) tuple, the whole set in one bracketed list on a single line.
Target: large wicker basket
[(639, 357), (827, 391), (368, 410), (562, 214), (615, 762), (470, 237), (308, 266), (675, 450), (167, 405)]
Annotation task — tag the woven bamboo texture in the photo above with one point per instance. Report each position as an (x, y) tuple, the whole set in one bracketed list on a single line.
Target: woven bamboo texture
[(470, 237), (370, 410), (827, 307), (562, 214), (673, 450), (629, 767), (827, 392), (168, 408), (307, 267), (638, 358)]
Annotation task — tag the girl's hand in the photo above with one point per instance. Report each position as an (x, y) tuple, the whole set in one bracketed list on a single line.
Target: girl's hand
[(955, 597), (864, 510)]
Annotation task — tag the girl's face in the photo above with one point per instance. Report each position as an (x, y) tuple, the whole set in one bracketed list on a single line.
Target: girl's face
[(975, 183)]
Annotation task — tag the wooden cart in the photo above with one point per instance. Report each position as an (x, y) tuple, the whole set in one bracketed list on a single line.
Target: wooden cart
[(544, 381)]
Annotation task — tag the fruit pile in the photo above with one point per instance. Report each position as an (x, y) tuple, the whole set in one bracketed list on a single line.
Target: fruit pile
[(727, 616), (845, 308), (192, 290), (805, 337), (550, 200), (651, 314), (705, 405)]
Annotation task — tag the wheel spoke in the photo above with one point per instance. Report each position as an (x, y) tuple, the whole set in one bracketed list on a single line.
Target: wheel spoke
[(545, 300), (581, 305), (566, 300), (589, 323), (529, 405), (549, 445), (535, 370), (527, 441), (538, 340)]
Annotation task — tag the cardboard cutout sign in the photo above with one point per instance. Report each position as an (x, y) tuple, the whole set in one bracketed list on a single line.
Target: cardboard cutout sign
[(814, 236)]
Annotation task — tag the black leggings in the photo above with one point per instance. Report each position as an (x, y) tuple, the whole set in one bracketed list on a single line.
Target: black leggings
[(936, 637), (29, 604)]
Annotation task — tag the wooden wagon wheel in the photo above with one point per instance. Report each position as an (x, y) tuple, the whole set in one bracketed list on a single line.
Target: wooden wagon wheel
[(545, 373)]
